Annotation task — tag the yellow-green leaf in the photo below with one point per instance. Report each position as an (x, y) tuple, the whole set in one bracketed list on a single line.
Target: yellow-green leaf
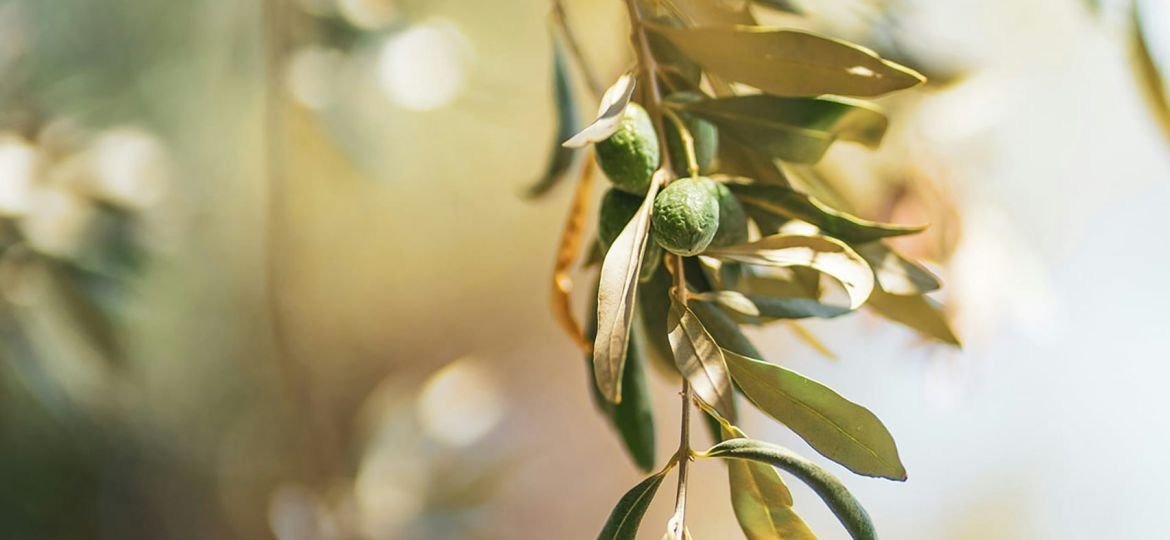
[(788, 202), (919, 313), (839, 429), (761, 501), (617, 296), (700, 359), (798, 130), (790, 63), (821, 253), (847, 509), (756, 309), (627, 515)]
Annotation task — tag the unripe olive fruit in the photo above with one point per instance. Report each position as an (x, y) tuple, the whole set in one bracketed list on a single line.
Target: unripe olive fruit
[(686, 215), (630, 156), (617, 208), (733, 227), (705, 134)]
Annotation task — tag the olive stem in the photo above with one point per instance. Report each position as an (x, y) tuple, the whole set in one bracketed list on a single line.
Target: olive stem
[(561, 19), (688, 140), (649, 70)]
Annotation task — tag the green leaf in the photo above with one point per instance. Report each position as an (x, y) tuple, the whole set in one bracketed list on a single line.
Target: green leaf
[(761, 501), (789, 63), (896, 274), (788, 202), (798, 130), (755, 308), (847, 509), (626, 517), (723, 329), (700, 359), (633, 418), (609, 114), (740, 158), (616, 298), (824, 254), (82, 312), (568, 123), (919, 313), (711, 12), (653, 310), (839, 429)]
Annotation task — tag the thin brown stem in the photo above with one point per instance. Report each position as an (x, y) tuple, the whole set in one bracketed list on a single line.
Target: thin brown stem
[(649, 71), (561, 18)]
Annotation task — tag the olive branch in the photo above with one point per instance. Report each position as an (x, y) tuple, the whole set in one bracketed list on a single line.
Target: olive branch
[(699, 140)]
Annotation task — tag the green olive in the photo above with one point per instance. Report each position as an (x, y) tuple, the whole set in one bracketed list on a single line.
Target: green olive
[(686, 216), (630, 156), (733, 228)]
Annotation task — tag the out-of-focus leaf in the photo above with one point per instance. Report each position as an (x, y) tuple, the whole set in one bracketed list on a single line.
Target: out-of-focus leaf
[(84, 315), (811, 340), (787, 6), (847, 509), (789, 63), (788, 202), (771, 307), (895, 273), (568, 123), (567, 255), (798, 130), (1151, 52), (826, 255), (626, 517), (839, 429), (633, 418), (712, 12), (762, 503), (919, 313), (617, 297), (609, 114), (700, 360)]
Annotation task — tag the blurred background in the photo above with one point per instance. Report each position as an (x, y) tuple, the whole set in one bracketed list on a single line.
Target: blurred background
[(268, 272)]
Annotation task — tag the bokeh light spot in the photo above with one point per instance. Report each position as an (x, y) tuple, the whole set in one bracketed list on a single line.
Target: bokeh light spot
[(425, 67)]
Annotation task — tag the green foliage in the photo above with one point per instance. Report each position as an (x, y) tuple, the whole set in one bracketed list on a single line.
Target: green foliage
[(686, 216), (719, 273)]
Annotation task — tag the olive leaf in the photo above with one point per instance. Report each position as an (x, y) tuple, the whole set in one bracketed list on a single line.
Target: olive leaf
[(824, 254), (653, 310), (633, 418), (757, 308), (1151, 68), (788, 202), (617, 296), (82, 312), (740, 158), (896, 274), (568, 123), (789, 63), (709, 12), (627, 515), (761, 501), (798, 130), (609, 114), (847, 509), (919, 313), (839, 429), (700, 359)]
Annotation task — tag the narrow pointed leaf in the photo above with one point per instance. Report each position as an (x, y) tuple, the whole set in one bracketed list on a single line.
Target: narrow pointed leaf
[(609, 115), (897, 274), (654, 310), (700, 359), (724, 329), (568, 123), (839, 429), (626, 517), (741, 158), (761, 500), (713, 12), (788, 202), (617, 297), (918, 313), (790, 63), (787, 6), (821, 253), (757, 309), (633, 418), (847, 509), (797, 130)]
